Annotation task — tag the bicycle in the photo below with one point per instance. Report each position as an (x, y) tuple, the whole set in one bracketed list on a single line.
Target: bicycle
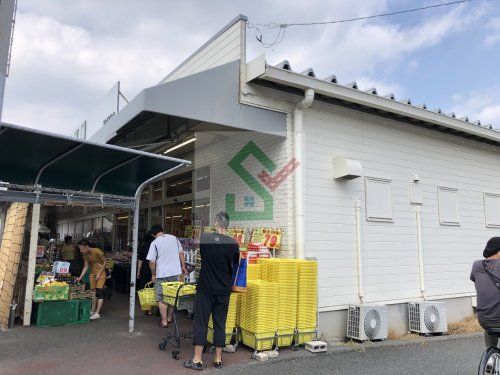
[(490, 360)]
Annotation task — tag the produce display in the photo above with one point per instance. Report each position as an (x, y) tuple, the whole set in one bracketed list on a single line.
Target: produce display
[(51, 291)]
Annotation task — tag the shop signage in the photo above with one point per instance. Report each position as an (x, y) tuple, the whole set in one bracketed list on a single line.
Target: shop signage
[(260, 186), (107, 108)]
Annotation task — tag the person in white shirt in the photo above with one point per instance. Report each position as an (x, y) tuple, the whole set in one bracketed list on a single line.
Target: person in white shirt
[(166, 260)]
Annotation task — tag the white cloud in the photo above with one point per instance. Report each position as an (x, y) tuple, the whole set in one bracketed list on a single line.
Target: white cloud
[(484, 107), (413, 64), (65, 58), (493, 28), (383, 88), (368, 48)]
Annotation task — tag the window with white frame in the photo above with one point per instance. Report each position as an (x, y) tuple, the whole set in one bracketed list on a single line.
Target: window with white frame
[(449, 213), (378, 193), (492, 210)]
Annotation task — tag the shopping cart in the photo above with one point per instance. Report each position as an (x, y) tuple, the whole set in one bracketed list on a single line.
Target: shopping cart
[(181, 302)]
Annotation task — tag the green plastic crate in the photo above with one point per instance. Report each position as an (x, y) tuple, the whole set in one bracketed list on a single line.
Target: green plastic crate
[(84, 307), (57, 313)]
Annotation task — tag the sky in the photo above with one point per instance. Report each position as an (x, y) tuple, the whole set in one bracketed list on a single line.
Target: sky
[(66, 57)]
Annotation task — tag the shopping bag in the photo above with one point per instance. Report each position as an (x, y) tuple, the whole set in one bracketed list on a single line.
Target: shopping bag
[(239, 277)]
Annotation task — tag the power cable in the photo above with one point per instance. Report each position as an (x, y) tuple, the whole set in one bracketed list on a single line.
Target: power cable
[(283, 26)]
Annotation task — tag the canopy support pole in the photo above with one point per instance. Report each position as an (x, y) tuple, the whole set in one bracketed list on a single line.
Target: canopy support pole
[(135, 238), (30, 280)]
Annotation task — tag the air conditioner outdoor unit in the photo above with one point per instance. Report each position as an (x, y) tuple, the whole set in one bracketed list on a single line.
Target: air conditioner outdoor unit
[(427, 317), (367, 322)]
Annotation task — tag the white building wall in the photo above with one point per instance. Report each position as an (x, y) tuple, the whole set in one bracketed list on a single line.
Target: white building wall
[(227, 47), (225, 181), (394, 150)]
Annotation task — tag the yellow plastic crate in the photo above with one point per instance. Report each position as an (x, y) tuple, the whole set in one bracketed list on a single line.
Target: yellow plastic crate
[(258, 311), (254, 272), (305, 335), (285, 337), (170, 289), (258, 341), (232, 313)]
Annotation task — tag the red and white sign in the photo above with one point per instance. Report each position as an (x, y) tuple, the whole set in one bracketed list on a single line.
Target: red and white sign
[(60, 267), (40, 251)]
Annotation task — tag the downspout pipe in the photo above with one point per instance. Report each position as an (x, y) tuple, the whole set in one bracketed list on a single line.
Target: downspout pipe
[(418, 218), (298, 149), (359, 259)]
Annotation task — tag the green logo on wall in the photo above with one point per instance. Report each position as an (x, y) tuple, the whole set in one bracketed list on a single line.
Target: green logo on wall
[(236, 165)]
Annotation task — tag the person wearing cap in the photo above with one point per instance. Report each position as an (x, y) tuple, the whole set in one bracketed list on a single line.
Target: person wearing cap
[(486, 277)]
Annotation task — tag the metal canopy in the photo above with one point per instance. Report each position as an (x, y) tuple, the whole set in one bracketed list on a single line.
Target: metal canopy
[(209, 96), (39, 167), (34, 158)]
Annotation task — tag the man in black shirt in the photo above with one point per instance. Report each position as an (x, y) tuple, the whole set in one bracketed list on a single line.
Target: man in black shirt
[(219, 255)]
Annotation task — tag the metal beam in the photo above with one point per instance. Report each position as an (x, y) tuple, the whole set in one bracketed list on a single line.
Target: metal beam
[(56, 159), (113, 169), (63, 199)]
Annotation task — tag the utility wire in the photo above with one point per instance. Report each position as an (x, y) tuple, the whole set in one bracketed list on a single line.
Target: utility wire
[(283, 26)]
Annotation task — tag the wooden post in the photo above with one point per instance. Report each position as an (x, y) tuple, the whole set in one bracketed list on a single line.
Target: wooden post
[(30, 282)]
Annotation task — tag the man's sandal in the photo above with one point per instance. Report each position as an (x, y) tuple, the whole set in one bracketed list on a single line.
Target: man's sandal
[(193, 365)]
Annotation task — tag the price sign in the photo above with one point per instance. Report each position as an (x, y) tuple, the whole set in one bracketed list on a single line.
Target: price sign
[(269, 237), (209, 230), (272, 241), (238, 234), (197, 232), (40, 251), (256, 235)]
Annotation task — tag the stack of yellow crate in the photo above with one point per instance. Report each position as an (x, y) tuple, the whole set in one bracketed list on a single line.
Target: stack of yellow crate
[(259, 316), (232, 315), (307, 302), (284, 274), (254, 272)]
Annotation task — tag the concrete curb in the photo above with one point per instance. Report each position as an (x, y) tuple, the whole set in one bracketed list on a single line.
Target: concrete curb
[(336, 347)]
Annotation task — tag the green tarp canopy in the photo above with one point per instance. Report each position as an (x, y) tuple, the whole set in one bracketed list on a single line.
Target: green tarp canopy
[(35, 158)]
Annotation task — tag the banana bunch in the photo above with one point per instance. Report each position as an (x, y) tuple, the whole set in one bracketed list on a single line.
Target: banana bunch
[(53, 284)]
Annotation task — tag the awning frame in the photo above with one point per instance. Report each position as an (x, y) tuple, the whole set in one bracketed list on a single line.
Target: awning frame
[(37, 195)]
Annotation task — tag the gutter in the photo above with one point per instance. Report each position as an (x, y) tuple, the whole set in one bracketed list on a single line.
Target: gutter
[(258, 70)]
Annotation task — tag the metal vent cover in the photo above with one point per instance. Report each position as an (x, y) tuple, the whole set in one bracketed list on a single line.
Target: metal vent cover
[(353, 318), (372, 323), (414, 317), (432, 318)]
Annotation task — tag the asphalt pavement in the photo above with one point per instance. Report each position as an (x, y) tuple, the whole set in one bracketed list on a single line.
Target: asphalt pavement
[(429, 357)]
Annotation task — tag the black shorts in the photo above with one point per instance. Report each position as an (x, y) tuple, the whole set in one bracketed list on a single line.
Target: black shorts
[(206, 304)]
